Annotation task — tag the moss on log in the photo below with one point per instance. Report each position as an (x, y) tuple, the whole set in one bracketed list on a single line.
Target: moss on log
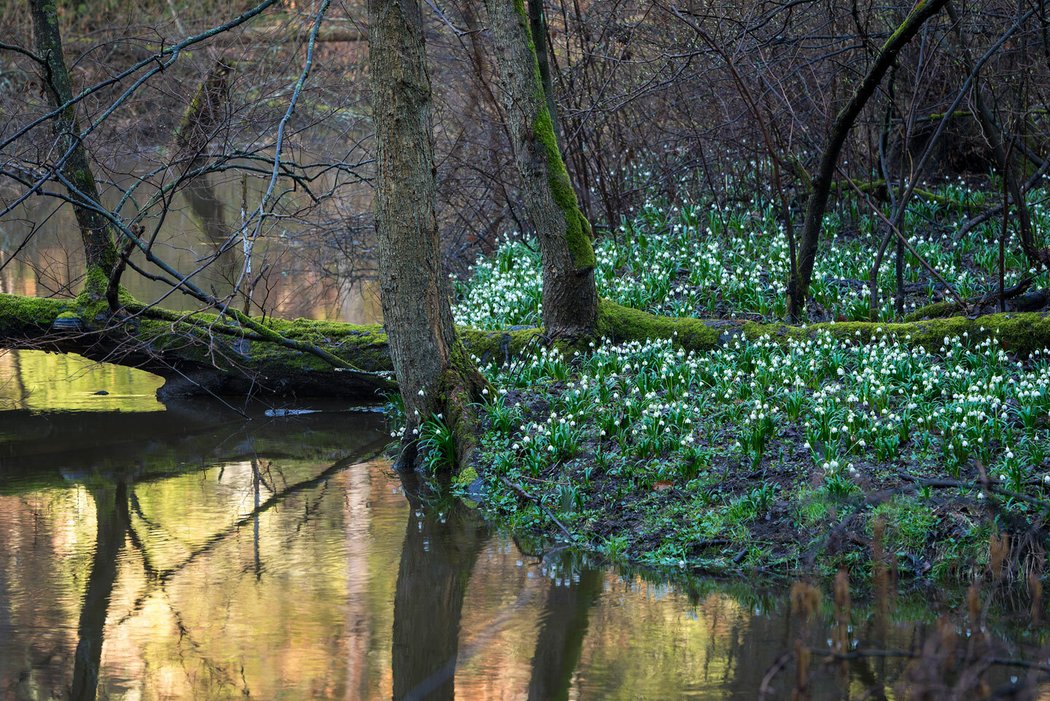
[(208, 353), (1019, 333)]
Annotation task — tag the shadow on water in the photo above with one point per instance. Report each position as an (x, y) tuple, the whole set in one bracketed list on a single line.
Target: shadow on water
[(53, 448)]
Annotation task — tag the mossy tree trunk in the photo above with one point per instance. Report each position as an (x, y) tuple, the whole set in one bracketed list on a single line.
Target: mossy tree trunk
[(434, 373), (798, 287), (570, 299), (96, 232)]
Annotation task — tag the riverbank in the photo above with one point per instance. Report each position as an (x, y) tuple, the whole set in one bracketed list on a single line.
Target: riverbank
[(803, 453), (805, 456)]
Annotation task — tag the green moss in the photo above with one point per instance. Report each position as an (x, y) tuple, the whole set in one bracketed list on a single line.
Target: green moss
[(19, 314), (96, 280), (937, 310), (498, 345), (619, 323), (577, 228), (466, 477), (1020, 333)]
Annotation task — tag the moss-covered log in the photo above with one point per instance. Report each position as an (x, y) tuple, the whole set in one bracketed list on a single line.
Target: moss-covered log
[(204, 353), (1019, 333), (201, 353)]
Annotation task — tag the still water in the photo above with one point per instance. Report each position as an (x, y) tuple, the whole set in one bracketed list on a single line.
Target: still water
[(191, 553)]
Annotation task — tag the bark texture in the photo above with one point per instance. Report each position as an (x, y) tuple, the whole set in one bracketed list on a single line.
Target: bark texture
[(96, 231), (798, 288), (570, 299), (433, 371)]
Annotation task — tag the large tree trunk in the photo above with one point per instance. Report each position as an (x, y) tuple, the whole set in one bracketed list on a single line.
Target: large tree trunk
[(570, 300), (96, 231), (434, 373), (798, 287)]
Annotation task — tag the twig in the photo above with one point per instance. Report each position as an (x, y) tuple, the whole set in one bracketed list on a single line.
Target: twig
[(517, 488)]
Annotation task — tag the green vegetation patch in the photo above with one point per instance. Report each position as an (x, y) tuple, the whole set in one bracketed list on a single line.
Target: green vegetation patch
[(772, 453)]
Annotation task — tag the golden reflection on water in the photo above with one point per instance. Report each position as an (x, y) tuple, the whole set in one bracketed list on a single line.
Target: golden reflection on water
[(42, 381), (282, 577), (298, 601)]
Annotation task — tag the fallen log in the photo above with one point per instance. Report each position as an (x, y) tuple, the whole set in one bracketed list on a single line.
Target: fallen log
[(199, 353)]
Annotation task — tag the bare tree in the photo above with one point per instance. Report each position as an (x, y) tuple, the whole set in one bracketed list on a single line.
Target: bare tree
[(798, 287), (74, 167)]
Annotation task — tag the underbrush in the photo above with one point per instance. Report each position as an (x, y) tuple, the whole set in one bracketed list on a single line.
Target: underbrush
[(709, 261), (776, 456)]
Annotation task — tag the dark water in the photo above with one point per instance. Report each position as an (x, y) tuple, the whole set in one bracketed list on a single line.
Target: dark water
[(191, 554)]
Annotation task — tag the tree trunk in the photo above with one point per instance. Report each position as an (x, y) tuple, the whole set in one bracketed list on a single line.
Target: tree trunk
[(538, 27), (798, 287), (570, 301), (434, 372), (96, 231)]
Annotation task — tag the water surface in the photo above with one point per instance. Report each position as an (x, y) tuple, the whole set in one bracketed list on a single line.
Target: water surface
[(151, 552), (170, 555)]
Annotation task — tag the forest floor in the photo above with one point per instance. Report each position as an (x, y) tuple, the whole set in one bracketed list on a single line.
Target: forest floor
[(780, 456)]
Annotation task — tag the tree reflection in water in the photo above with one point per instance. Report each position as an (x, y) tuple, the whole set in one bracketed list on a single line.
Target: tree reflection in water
[(437, 558), (560, 641), (440, 550), (111, 509)]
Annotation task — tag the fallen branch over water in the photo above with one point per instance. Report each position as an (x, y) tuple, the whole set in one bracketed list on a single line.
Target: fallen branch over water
[(200, 353)]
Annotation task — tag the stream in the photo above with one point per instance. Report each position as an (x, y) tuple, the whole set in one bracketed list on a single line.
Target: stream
[(187, 552)]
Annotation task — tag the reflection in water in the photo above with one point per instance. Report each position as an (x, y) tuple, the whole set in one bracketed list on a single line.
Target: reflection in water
[(564, 625), (295, 259), (216, 560), (66, 382), (437, 558), (111, 514)]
